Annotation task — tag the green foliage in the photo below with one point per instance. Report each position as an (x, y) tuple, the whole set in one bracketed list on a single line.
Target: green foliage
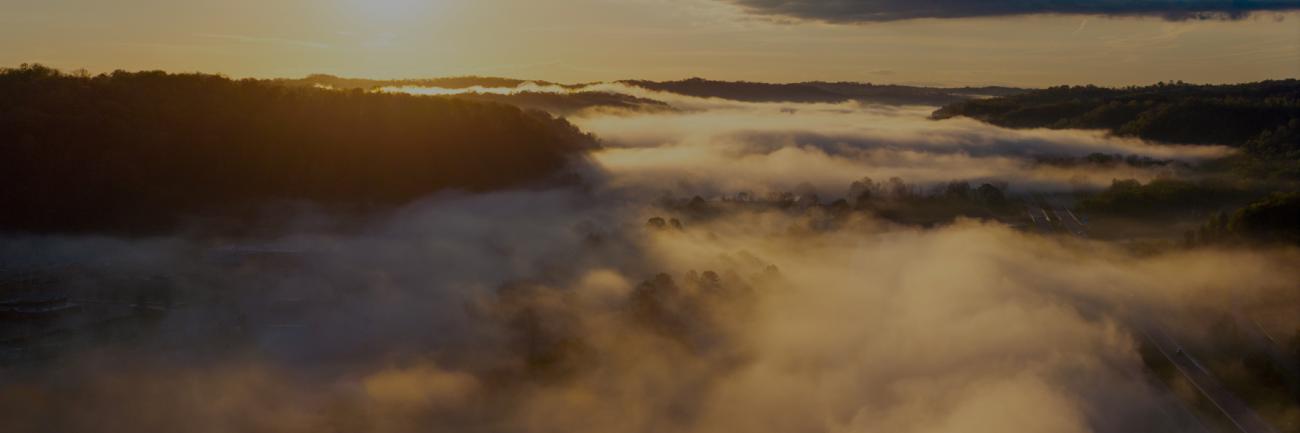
[(1274, 219), (1282, 142), (135, 151), (1161, 196), (1105, 160), (1261, 117)]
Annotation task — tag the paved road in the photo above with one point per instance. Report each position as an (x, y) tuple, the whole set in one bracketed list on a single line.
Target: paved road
[(1238, 412), (1057, 219), (1176, 415), (1286, 364), (1070, 223), (1041, 220), (1242, 416)]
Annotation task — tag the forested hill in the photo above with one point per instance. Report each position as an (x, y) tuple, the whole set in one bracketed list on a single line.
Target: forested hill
[(369, 84), (139, 151), (819, 91), (1263, 118)]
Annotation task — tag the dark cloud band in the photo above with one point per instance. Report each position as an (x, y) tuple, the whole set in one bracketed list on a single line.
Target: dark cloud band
[(892, 10)]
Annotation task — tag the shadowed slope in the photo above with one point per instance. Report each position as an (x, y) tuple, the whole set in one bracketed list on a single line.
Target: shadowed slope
[(136, 151)]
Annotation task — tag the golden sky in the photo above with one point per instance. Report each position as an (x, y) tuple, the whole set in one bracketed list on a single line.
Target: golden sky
[(593, 40)]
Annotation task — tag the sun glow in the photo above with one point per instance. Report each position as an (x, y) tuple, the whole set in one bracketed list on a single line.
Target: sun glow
[(392, 9)]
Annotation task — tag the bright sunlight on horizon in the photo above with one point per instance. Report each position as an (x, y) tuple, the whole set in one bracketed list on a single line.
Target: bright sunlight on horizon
[(577, 41)]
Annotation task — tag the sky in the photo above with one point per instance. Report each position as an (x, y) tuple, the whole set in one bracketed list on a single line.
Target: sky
[(948, 42)]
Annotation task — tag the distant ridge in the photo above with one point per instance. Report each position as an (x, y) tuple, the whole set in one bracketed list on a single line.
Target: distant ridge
[(1262, 117), (745, 91), (820, 91)]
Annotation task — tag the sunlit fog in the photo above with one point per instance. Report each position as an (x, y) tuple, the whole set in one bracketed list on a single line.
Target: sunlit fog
[(868, 217)]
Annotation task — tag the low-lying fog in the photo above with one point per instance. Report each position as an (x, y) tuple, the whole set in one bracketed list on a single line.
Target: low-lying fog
[(560, 310), (723, 146), (714, 146)]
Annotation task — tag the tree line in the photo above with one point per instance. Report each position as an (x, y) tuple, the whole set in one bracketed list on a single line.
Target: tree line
[(140, 151), (1263, 118), (1272, 219), (820, 91)]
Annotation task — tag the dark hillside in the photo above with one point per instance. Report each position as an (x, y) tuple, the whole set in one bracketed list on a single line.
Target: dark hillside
[(1263, 117), (340, 83), (139, 151), (818, 91), (743, 91)]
